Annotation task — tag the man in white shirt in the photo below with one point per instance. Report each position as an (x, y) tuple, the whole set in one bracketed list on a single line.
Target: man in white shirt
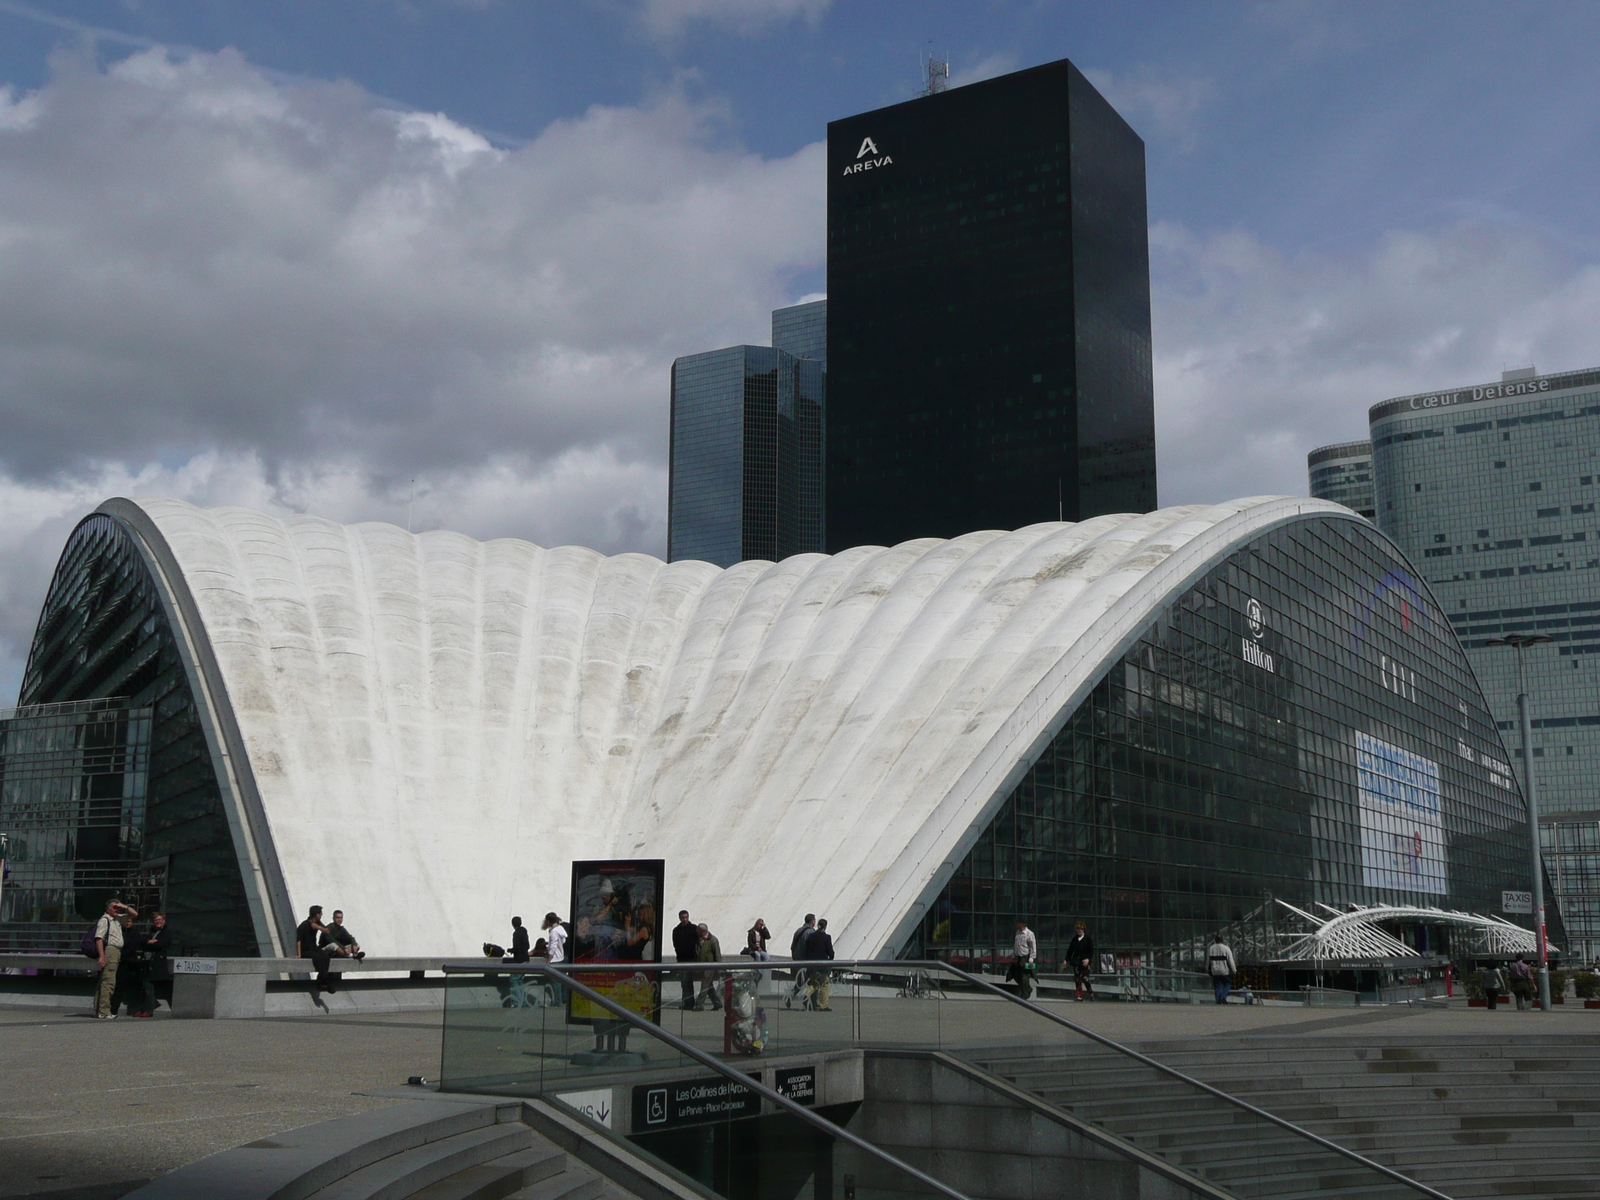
[(1024, 955), (108, 941), (555, 936)]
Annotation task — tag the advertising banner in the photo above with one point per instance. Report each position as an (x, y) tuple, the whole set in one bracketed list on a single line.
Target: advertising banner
[(1402, 838), (616, 918)]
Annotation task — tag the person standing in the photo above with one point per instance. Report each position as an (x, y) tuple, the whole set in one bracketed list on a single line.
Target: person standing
[(156, 944), (1080, 961), (555, 939), (685, 944), (708, 950), (308, 944), (1024, 959), (819, 948), (519, 941), (797, 953), (756, 940), (1221, 965), (108, 942), (1521, 982)]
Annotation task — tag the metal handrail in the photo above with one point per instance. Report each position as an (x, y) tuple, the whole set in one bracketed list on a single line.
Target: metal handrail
[(560, 972), (859, 964)]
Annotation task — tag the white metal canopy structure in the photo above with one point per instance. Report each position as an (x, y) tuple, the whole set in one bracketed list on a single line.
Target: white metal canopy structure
[(424, 729), (1357, 934)]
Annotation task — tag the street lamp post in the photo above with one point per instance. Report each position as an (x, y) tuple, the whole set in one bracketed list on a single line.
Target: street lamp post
[(1520, 642)]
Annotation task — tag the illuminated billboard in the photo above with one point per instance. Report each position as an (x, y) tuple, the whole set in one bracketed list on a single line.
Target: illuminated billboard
[(1402, 840)]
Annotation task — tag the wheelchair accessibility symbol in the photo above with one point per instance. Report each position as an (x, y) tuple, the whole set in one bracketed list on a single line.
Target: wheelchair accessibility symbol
[(656, 1106)]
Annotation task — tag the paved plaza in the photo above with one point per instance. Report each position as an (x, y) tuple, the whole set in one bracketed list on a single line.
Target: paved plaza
[(92, 1108)]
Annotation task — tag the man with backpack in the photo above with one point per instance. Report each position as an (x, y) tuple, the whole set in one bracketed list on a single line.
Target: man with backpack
[(108, 944), (1521, 982)]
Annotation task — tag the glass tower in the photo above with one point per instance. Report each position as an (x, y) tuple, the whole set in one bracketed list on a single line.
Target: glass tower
[(746, 455), (989, 297), (1491, 490), (1343, 473), (802, 330)]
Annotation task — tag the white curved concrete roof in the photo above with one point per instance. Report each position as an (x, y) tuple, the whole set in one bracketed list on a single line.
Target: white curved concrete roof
[(435, 727)]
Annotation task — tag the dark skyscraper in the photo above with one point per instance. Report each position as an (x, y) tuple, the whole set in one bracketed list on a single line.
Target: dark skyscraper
[(988, 312)]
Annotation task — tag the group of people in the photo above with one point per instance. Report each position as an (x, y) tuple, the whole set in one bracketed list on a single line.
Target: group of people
[(131, 960), (693, 942), (1221, 965), (1494, 983), (551, 946), (323, 943)]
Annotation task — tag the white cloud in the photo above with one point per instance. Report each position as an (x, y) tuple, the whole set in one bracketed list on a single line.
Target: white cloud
[(1262, 356), (668, 19), (987, 67), (1155, 102), (299, 299)]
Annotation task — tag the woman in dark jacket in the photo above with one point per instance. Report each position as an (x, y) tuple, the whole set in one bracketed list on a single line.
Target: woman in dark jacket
[(154, 947)]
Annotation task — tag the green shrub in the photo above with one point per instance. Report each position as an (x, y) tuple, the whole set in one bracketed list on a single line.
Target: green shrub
[(1558, 984), (1586, 984)]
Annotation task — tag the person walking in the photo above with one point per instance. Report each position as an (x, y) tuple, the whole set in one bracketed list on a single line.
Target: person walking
[(519, 941), (308, 944), (1221, 966), (797, 953), (1521, 982), (756, 939), (708, 950), (819, 948), (685, 945), (1493, 980), (155, 945), (1024, 959), (1080, 961), (108, 943)]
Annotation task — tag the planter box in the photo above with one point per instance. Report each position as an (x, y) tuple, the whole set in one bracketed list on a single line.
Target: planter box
[(1591, 1003)]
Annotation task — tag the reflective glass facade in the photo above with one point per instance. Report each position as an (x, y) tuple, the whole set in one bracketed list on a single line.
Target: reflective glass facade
[(1491, 491), (746, 456), (1343, 474), (103, 633), (1299, 724), (989, 312), (73, 780), (802, 330)]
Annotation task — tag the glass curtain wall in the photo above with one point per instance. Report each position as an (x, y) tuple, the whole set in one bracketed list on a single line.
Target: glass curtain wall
[(102, 633), (73, 781), (1300, 724)]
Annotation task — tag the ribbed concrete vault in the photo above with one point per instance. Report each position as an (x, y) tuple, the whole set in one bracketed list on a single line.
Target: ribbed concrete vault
[(433, 727)]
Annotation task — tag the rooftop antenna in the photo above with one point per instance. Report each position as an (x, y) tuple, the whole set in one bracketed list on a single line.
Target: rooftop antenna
[(937, 73)]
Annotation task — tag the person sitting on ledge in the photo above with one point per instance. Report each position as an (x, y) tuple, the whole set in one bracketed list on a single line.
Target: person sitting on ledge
[(338, 940)]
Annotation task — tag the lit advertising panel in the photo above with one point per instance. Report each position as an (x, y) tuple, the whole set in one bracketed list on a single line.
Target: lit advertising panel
[(616, 908), (1402, 840)]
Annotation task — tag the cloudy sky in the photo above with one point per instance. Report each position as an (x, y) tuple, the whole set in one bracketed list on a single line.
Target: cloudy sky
[(431, 259)]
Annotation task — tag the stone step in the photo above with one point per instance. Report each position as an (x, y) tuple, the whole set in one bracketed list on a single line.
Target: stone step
[(577, 1182), (403, 1174), (500, 1177)]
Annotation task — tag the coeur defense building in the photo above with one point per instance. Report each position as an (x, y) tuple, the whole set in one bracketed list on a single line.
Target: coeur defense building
[(1491, 490), (1148, 722)]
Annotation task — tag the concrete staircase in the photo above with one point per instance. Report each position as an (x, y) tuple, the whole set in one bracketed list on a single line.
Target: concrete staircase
[(423, 1150), (1486, 1116), (1469, 1117), (1216, 1142)]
